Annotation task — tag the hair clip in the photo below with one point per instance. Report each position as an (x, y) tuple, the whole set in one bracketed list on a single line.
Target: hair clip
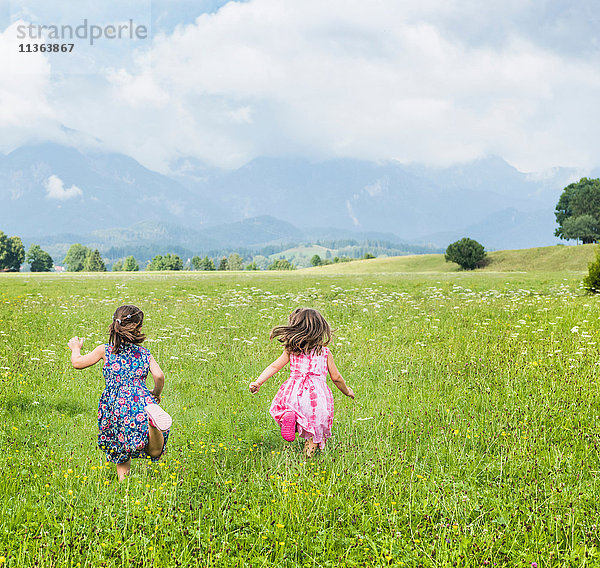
[(118, 321)]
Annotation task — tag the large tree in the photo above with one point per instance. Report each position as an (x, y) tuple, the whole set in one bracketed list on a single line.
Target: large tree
[(130, 264), (580, 199), (94, 262), (197, 262), (12, 253), (39, 259), (584, 228), (208, 264), (235, 262), (75, 258)]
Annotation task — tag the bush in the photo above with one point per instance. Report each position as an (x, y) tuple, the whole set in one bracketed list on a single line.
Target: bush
[(592, 281), (467, 253)]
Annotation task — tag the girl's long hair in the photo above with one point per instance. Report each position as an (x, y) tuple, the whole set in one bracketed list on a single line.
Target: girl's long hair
[(126, 327), (307, 331)]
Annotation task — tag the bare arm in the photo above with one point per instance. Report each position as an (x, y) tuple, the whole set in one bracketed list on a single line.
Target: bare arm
[(337, 378), (159, 378), (80, 361), (273, 368)]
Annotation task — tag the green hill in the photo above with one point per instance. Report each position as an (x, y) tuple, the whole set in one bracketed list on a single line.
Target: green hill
[(539, 259)]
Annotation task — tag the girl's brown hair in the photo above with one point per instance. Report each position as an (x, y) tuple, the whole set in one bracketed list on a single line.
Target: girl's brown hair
[(126, 327), (307, 331)]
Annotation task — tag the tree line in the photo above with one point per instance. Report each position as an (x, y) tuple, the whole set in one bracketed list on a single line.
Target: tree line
[(80, 258), (12, 255)]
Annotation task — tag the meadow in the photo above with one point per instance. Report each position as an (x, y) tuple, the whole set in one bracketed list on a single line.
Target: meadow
[(472, 441)]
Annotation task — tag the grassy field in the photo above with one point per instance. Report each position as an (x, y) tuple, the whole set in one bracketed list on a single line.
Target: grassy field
[(472, 441), (540, 259)]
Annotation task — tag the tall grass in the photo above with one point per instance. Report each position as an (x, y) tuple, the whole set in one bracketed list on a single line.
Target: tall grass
[(472, 441)]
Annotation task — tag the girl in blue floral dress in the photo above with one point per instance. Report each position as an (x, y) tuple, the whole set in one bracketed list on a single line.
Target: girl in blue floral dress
[(130, 422)]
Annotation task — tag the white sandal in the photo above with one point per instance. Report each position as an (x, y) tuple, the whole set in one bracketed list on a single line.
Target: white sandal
[(158, 417)]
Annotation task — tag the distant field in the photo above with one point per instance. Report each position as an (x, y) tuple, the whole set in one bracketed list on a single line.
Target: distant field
[(540, 259), (473, 440)]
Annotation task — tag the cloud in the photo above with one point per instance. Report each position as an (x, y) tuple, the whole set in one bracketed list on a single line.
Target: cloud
[(377, 81), (55, 189), (437, 82), (25, 110)]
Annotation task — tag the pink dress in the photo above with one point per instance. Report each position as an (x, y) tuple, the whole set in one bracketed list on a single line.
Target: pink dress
[(306, 393)]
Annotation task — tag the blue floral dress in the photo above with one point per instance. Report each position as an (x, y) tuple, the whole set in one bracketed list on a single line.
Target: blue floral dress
[(122, 422)]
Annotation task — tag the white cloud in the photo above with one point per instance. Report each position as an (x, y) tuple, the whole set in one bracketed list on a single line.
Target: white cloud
[(55, 189), (377, 80), (25, 110), (374, 81)]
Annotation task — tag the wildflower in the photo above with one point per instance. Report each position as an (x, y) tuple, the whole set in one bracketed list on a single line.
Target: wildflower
[(279, 526)]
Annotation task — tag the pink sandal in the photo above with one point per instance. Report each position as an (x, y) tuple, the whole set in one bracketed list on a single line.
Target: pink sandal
[(158, 417), (288, 426)]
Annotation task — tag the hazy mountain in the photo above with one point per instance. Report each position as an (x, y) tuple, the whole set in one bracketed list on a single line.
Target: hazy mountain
[(48, 189), (503, 230), (410, 201), (250, 236)]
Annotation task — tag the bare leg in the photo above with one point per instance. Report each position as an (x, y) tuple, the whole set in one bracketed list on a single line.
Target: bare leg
[(155, 442), (123, 470), (310, 448)]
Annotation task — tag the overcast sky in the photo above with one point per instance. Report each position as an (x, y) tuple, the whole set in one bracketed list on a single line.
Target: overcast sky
[(432, 81)]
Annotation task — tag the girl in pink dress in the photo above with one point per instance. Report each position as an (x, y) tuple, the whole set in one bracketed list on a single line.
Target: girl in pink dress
[(304, 402)]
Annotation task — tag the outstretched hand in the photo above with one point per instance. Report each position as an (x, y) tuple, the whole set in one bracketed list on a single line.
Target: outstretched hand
[(75, 343), (350, 393), (254, 386)]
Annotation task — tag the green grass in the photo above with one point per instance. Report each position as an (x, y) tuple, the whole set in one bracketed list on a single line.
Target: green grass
[(473, 439), (539, 259)]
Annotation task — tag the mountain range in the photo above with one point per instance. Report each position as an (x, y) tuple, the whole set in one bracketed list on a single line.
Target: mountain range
[(52, 193)]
